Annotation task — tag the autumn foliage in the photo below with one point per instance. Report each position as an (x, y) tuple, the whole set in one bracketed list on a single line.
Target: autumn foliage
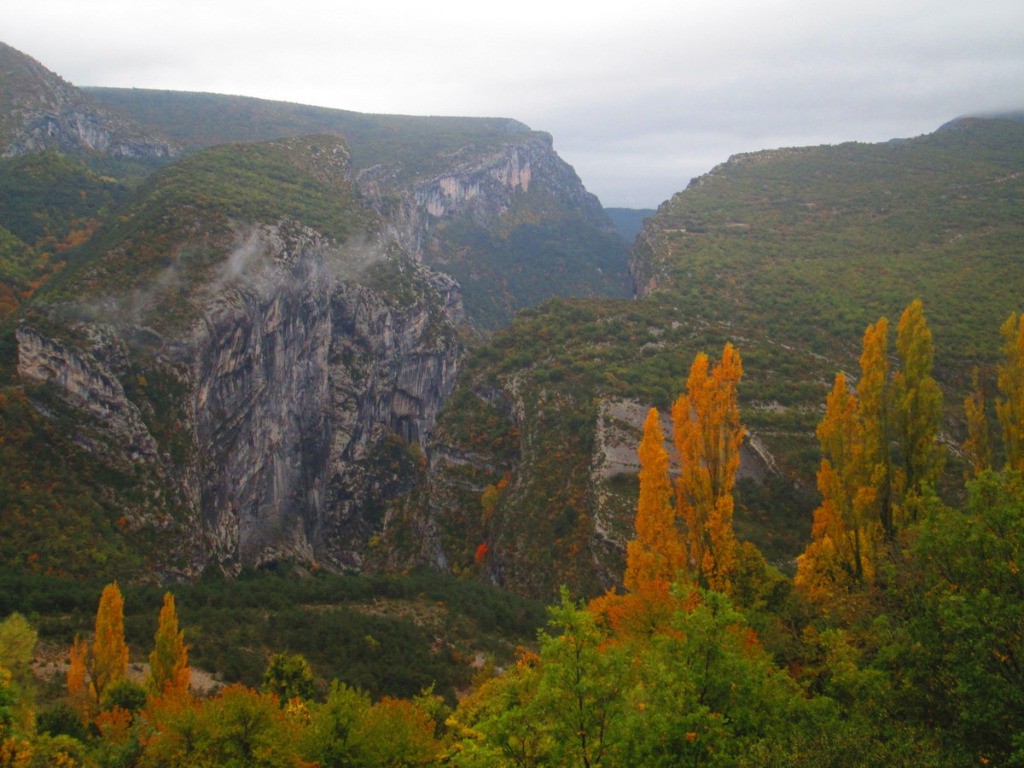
[(656, 556), (708, 435), (881, 457), (92, 670)]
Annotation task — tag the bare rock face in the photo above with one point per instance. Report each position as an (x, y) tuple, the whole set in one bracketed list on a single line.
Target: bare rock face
[(39, 110), (300, 387), (89, 384)]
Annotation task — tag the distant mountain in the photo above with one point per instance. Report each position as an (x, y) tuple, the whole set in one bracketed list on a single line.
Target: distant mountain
[(39, 110), (629, 221), (486, 200)]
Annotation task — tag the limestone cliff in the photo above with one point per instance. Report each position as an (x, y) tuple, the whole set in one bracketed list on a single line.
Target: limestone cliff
[(292, 403), (39, 110)]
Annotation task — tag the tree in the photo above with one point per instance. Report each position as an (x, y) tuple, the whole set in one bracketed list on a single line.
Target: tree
[(79, 695), (288, 676), (874, 412), (966, 626), (978, 445), (94, 669), (1010, 380), (334, 736), (918, 407), (655, 557), (708, 435), (843, 531), (580, 690), (109, 659), (169, 673), (238, 727), (17, 644)]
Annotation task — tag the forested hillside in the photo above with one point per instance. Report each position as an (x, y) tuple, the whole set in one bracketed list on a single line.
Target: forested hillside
[(787, 254)]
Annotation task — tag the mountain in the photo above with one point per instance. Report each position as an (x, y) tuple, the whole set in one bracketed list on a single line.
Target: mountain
[(238, 358), (485, 200), (39, 110), (245, 357), (788, 254)]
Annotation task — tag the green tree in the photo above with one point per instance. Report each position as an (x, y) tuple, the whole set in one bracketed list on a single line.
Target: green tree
[(17, 646), (334, 737), (580, 693), (965, 658), (288, 676)]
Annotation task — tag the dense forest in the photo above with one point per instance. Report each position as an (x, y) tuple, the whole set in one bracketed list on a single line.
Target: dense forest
[(898, 642)]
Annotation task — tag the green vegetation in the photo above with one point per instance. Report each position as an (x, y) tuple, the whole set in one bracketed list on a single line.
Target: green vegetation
[(417, 145), (536, 248), (386, 635), (807, 246), (48, 205), (787, 254)]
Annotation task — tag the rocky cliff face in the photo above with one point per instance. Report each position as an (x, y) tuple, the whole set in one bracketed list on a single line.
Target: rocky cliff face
[(294, 379), (513, 224), (39, 110)]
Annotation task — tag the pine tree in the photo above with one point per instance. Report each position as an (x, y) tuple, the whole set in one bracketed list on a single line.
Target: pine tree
[(169, 673), (708, 434)]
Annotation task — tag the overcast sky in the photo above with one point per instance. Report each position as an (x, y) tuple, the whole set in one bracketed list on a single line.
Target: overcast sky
[(640, 96)]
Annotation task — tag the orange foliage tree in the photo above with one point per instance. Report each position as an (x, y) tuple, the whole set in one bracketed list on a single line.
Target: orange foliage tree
[(655, 557), (843, 529), (92, 670), (880, 456), (708, 434)]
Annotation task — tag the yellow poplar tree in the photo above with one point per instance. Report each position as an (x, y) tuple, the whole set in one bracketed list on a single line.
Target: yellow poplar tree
[(918, 407), (978, 445), (1010, 380), (838, 556), (656, 555), (708, 434), (109, 651), (875, 409), (169, 673)]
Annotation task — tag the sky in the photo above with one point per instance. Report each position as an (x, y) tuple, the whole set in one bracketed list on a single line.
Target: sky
[(640, 96)]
